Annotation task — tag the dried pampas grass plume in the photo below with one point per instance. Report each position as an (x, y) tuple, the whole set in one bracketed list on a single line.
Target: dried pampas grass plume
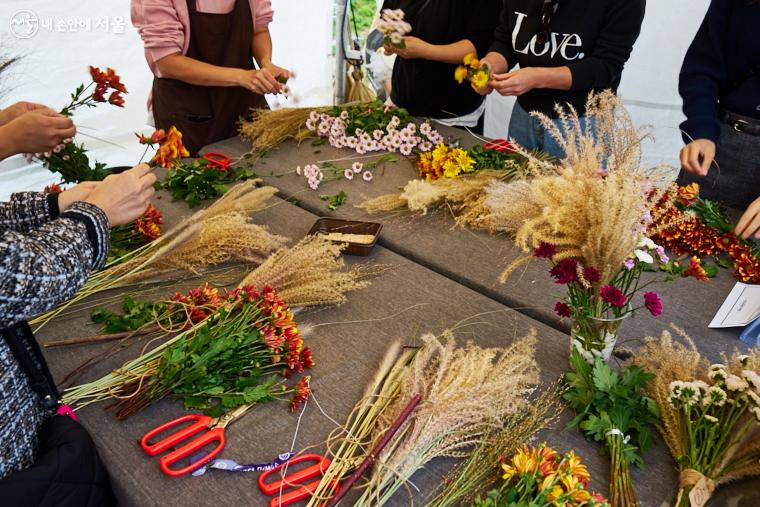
[(467, 392), (270, 127), (593, 206), (311, 273)]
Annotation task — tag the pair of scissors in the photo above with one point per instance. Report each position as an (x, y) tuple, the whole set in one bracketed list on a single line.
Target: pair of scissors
[(218, 160), (201, 423), (291, 488)]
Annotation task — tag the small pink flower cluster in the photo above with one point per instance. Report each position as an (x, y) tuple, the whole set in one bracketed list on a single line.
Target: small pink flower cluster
[(314, 175), (333, 128), (393, 26), (357, 168)]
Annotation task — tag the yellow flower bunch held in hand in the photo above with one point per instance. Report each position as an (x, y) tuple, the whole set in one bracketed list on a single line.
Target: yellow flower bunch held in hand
[(476, 72)]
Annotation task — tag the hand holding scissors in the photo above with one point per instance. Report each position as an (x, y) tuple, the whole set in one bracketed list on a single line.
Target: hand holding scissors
[(215, 433)]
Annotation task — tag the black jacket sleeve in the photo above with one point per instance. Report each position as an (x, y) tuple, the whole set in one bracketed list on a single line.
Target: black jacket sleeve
[(42, 268), (604, 66), (502, 37), (704, 75), (28, 210)]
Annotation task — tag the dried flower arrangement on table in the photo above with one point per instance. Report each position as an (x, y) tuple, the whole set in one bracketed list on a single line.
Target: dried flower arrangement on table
[(469, 394), (221, 334), (218, 234), (710, 413), (698, 228)]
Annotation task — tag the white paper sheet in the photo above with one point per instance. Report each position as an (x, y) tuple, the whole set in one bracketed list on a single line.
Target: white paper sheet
[(740, 308)]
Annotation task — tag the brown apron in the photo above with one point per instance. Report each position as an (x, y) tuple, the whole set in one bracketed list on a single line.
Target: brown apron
[(206, 114)]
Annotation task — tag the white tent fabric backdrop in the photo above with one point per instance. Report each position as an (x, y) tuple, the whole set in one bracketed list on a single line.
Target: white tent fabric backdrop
[(54, 61)]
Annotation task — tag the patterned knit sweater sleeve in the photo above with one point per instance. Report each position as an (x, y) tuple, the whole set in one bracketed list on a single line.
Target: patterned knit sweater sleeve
[(43, 265), (28, 210)]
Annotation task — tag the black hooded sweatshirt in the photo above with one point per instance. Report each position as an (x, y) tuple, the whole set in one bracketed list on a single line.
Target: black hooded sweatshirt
[(593, 38), (428, 88)]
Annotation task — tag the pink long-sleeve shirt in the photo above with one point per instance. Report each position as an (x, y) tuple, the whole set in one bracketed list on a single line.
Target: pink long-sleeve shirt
[(164, 25)]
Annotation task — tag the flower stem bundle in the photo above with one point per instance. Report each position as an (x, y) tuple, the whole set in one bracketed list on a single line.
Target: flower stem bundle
[(710, 413), (70, 159), (613, 410), (233, 357)]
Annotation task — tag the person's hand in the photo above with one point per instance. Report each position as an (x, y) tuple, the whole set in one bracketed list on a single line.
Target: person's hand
[(414, 47), (35, 132), (10, 113), (124, 197), (278, 72), (698, 156), (76, 193), (515, 83), (259, 81), (749, 223)]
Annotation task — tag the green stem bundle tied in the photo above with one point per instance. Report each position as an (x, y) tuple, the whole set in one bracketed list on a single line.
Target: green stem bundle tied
[(613, 411)]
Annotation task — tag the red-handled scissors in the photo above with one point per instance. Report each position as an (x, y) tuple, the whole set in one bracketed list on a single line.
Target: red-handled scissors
[(292, 486), (216, 159), (215, 433)]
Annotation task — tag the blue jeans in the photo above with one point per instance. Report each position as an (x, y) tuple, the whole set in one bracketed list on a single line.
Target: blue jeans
[(530, 134)]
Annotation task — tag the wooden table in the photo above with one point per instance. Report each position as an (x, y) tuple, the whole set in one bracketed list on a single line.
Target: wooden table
[(439, 277)]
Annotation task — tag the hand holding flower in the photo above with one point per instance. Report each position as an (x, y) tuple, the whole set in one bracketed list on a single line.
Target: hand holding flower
[(413, 48)]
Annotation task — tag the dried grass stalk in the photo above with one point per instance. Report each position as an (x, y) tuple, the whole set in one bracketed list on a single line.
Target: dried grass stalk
[(467, 393), (270, 127), (311, 273), (464, 196), (210, 236)]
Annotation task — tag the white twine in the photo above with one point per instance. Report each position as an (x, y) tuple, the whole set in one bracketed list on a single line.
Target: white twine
[(615, 431)]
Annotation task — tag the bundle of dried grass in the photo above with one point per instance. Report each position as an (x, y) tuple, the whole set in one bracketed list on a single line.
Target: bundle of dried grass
[(467, 393), (209, 237), (729, 390), (270, 127), (311, 273), (595, 205), (464, 196)]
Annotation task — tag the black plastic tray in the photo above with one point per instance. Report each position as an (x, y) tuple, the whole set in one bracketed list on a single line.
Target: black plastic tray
[(327, 225)]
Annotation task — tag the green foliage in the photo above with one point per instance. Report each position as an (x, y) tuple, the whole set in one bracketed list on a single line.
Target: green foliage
[(73, 164), (605, 400), (136, 314), (197, 181), (364, 13), (335, 201), (220, 367)]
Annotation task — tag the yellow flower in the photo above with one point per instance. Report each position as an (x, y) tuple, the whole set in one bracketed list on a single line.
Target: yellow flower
[(581, 495), (548, 483), (440, 152), (479, 79), (554, 494), (575, 467), (509, 471), (466, 164), (525, 461), (451, 169), (460, 74), (570, 482), (469, 58)]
